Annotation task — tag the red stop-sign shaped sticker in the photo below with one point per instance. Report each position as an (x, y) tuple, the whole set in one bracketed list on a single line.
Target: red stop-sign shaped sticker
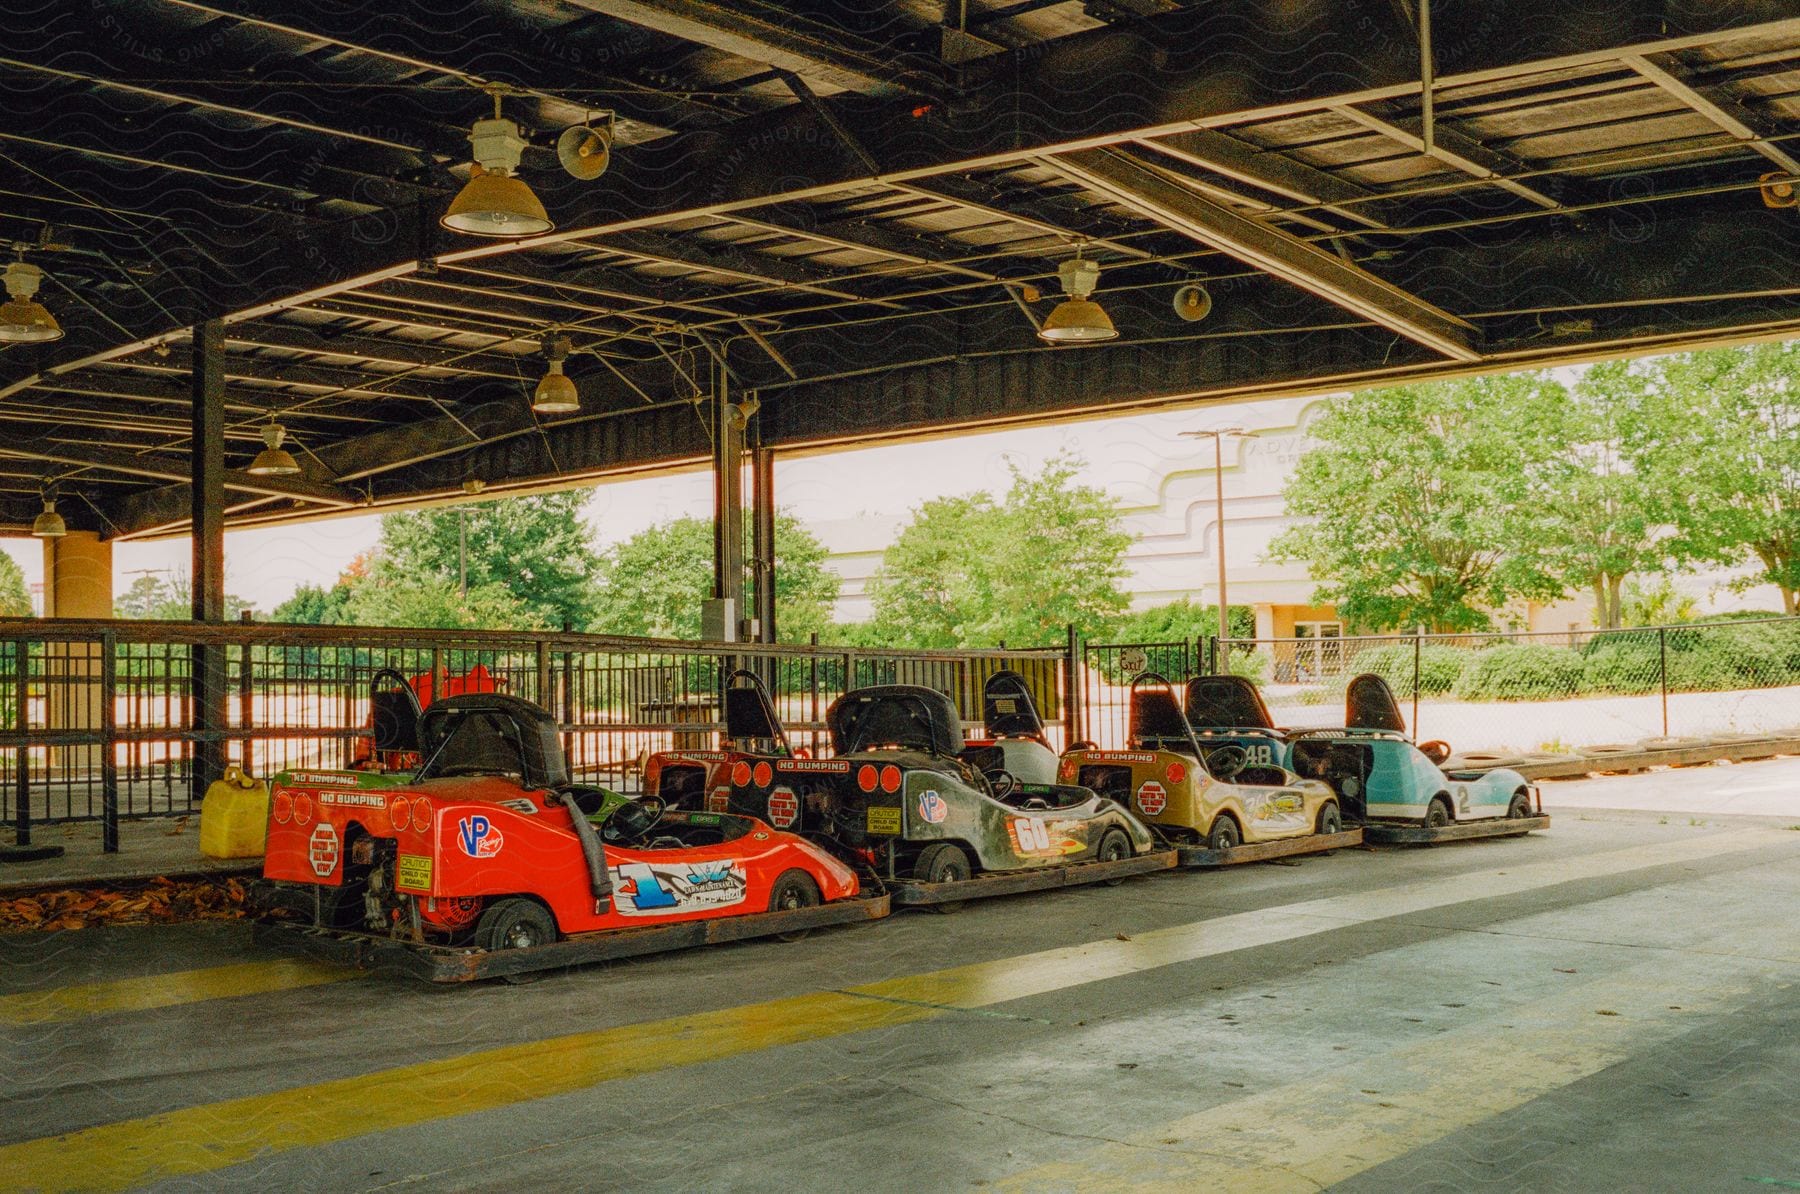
[(322, 849), (1152, 799), (784, 807)]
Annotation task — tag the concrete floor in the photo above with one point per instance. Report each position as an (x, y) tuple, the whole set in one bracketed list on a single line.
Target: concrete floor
[(1609, 1005)]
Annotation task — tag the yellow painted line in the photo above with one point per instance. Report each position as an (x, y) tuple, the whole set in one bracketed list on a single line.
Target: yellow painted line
[(217, 1135), (1305, 1136), (164, 990), (201, 1139)]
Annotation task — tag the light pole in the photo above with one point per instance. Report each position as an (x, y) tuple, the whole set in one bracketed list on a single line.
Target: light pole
[(1218, 439)]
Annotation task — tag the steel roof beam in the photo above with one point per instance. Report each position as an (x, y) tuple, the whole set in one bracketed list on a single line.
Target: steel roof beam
[(1270, 171), (168, 468), (1451, 148), (448, 51), (824, 59), (1148, 191), (1698, 101)]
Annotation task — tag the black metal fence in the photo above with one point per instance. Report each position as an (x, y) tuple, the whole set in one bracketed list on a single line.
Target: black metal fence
[(112, 720), (1517, 695)]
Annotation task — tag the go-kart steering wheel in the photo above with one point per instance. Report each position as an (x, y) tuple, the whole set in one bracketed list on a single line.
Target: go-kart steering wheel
[(1435, 750), (1001, 782), (1226, 761), (632, 821)]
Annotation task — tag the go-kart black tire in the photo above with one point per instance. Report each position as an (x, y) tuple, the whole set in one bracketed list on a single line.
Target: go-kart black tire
[(1520, 808), (943, 862), (515, 923), (1115, 846), (1224, 834), (1331, 819), (1437, 813), (793, 890)]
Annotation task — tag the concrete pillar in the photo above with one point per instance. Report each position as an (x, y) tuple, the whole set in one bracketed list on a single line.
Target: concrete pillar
[(78, 576)]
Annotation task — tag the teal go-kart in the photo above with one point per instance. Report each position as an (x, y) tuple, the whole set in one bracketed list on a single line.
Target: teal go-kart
[(1398, 790)]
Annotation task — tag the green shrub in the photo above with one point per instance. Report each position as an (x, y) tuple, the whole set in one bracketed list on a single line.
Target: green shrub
[(1620, 667), (1252, 665), (1713, 656), (1521, 673), (1439, 667)]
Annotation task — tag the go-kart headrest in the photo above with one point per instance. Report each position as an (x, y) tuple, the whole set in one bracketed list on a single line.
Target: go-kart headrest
[(1155, 717), (1007, 709), (903, 715), (393, 712), (1369, 705), (492, 732), (1226, 702), (748, 710)]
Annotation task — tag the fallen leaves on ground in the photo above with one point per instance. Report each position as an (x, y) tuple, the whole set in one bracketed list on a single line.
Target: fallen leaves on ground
[(160, 901)]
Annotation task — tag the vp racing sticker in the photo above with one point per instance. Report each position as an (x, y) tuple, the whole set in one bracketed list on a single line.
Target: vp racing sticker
[(478, 837)]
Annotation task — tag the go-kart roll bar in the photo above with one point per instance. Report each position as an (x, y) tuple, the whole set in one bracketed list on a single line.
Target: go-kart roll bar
[(592, 849), (1186, 726)]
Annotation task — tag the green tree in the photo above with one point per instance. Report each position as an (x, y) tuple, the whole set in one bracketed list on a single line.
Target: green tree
[(15, 598), (1657, 605), (974, 571), (654, 582), (316, 605), (537, 549), (153, 599), (1417, 502), (1599, 493), (1183, 620), (1727, 456), (390, 598)]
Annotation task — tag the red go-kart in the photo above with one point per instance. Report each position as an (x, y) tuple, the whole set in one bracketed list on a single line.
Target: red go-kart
[(487, 860)]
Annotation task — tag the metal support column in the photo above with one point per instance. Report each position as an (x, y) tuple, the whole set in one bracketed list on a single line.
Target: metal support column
[(762, 539), (728, 498), (208, 514)]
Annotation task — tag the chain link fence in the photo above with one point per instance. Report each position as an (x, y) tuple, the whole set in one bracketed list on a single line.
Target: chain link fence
[(1517, 696)]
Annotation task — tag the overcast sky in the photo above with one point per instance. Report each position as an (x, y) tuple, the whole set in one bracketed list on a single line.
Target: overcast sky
[(265, 565)]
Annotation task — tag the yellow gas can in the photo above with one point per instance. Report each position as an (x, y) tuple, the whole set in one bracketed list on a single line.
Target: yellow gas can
[(234, 817)]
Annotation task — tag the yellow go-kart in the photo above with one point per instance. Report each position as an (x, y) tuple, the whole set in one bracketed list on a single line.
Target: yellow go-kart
[(1215, 803)]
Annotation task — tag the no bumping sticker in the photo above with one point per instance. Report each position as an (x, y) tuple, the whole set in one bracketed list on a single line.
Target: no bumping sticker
[(322, 849), (932, 807), (1152, 798), (784, 807)]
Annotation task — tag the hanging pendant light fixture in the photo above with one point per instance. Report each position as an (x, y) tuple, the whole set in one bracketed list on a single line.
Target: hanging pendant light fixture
[(274, 460), (556, 393), (49, 524), (24, 320), (494, 202), (1078, 319)]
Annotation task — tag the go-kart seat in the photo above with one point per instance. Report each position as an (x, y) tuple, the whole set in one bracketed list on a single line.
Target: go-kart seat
[(984, 758), (1029, 759)]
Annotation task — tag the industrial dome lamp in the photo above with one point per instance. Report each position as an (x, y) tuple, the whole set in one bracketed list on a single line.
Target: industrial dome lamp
[(49, 524), (24, 320), (556, 393), (494, 202), (274, 460), (1078, 319)]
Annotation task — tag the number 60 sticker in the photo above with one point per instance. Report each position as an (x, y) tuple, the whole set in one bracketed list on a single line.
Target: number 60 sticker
[(1029, 836)]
